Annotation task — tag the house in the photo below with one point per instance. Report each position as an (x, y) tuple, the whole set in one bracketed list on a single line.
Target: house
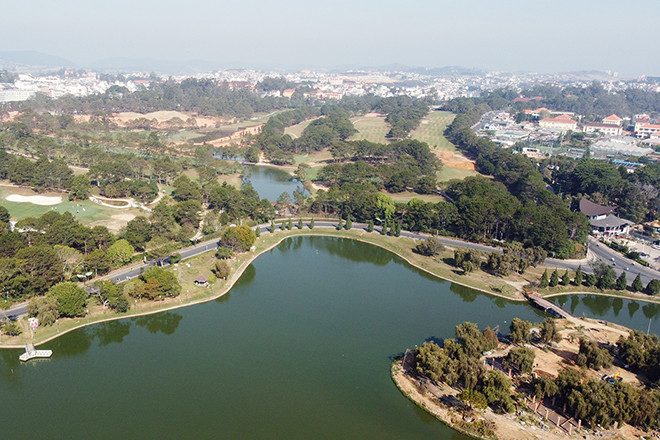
[(594, 211), (202, 281), (646, 130), (602, 220), (604, 128), (612, 120), (288, 93), (561, 123)]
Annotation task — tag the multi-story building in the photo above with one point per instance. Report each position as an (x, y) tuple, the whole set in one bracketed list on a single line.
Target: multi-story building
[(604, 128)]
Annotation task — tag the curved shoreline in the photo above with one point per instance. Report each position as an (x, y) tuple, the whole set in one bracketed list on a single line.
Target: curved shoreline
[(298, 233)]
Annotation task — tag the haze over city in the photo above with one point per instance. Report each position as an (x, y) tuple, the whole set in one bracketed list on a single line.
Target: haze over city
[(506, 35)]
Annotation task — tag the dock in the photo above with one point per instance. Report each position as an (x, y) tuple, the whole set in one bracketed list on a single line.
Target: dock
[(547, 306), (32, 353)]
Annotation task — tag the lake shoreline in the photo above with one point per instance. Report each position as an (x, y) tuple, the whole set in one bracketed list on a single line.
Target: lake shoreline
[(250, 257)]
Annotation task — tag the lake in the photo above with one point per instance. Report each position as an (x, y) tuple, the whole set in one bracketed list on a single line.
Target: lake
[(270, 183), (300, 348)]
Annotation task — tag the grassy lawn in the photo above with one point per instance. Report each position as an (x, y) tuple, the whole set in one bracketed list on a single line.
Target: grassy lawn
[(432, 128), (406, 196), (231, 179), (296, 130), (183, 136), (370, 127), (85, 211), (315, 157), (448, 173)]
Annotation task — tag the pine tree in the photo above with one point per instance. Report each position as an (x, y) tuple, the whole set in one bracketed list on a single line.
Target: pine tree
[(370, 226), (257, 231), (554, 278), (637, 285), (300, 224), (592, 280), (339, 225), (544, 280), (578, 276), (272, 225), (289, 226), (621, 282), (349, 223), (311, 223), (565, 279), (397, 229)]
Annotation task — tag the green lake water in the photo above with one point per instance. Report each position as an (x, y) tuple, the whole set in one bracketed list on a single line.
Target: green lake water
[(299, 349)]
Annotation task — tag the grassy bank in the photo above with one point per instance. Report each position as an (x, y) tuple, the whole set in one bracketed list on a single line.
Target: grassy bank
[(186, 271)]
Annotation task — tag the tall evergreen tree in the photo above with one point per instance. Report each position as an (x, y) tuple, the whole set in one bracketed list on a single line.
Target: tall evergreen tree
[(554, 278), (578, 276), (544, 280), (621, 282), (637, 285)]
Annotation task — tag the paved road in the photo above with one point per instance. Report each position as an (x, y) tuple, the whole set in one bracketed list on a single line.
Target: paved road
[(596, 251)]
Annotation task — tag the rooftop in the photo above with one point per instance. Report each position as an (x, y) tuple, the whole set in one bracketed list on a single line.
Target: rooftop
[(610, 221), (591, 209)]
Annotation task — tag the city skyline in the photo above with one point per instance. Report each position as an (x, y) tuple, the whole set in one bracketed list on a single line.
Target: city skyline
[(509, 35)]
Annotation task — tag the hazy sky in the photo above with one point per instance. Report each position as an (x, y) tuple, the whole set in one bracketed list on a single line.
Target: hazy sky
[(534, 35)]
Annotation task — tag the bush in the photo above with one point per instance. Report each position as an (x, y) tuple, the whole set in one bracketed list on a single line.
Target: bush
[(175, 258), (11, 328), (430, 247), (224, 253)]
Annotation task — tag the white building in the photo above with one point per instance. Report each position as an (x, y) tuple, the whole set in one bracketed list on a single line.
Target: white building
[(604, 128)]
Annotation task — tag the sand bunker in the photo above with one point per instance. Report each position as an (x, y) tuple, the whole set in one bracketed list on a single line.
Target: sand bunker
[(37, 200)]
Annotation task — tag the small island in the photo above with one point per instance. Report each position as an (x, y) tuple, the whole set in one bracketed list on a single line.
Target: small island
[(561, 378)]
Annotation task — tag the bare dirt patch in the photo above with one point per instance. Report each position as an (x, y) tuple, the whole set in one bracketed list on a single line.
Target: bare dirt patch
[(115, 222)]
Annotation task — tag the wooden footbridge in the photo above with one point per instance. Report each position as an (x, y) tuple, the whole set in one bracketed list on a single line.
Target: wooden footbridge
[(547, 306)]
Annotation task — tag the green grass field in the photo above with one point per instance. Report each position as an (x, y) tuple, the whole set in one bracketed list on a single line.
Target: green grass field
[(296, 130), (85, 211), (448, 173), (432, 128), (406, 196), (315, 157), (372, 128), (183, 136)]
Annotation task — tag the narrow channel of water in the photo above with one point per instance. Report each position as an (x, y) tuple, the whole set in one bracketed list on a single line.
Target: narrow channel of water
[(300, 348)]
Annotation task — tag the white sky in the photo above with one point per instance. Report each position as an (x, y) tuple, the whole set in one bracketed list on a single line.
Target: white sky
[(533, 35)]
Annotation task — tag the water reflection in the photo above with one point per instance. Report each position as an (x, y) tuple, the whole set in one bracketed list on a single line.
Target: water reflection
[(353, 250), (467, 295), (632, 308), (609, 309), (164, 322), (112, 331)]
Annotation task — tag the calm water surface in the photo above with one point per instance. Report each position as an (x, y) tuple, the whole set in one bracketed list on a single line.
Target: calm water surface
[(300, 349), (632, 314), (270, 183)]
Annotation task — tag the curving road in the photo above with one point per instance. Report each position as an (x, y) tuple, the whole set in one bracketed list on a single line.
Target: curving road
[(595, 251)]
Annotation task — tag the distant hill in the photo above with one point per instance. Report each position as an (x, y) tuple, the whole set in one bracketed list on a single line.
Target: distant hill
[(32, 58)]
